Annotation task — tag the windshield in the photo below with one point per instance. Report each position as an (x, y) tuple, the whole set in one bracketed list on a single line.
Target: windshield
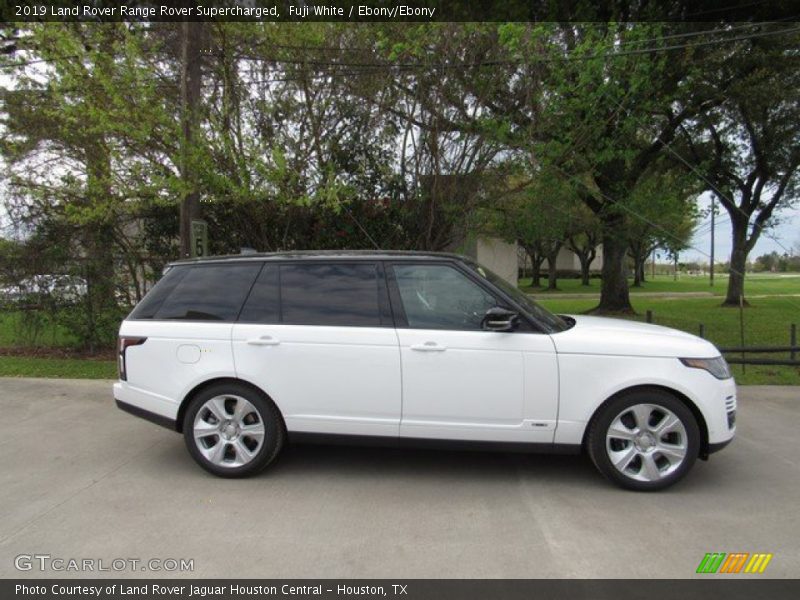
[(550, 322)]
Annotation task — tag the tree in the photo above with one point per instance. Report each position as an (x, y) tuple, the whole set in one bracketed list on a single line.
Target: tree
[(746, 150), (584, 238), (606, 121), (664, 201), (538, 217), (77, 117)]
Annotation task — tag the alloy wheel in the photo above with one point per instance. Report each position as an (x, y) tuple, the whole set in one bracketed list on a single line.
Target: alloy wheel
[(647, 442), (228, 431)]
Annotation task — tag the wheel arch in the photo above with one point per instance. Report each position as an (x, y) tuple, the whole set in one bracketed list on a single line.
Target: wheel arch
[(187, 399), (698, 415)]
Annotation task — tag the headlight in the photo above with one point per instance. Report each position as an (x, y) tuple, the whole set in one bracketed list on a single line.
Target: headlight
[(718, 367)]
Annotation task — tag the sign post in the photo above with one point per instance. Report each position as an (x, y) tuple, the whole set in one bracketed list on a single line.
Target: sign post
[(199, 239)]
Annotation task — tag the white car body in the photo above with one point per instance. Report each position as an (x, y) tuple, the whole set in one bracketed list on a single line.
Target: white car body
[(568, 375), (403, 383)]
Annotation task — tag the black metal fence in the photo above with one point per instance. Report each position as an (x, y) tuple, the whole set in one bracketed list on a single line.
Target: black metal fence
[(738, 355)]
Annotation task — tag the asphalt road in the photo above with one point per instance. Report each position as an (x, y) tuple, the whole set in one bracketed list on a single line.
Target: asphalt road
[(81, 479)]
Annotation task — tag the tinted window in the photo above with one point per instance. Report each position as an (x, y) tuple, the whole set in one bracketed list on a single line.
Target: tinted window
[(262, 303), (153, 300), (331, 294), (209, 292), (441, 297)]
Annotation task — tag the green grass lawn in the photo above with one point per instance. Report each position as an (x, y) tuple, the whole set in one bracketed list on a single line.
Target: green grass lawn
[(755, 284), (15, 332), (766, 323), (71, 368)]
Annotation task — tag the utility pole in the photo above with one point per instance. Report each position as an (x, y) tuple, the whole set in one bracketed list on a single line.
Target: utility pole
[(654, 263), (713, 211), (191, 95)]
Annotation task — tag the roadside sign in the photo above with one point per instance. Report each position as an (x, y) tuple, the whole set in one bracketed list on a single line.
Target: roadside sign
[(199, 239)]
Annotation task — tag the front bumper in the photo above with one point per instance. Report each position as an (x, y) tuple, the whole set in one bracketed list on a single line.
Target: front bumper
[(718, 405), (712, 448)]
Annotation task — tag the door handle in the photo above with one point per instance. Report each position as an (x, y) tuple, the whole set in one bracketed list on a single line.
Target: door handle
[(428, 347), (264, 340)]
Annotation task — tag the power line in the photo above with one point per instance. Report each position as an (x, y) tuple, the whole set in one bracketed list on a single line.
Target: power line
[(356, 67), (366, 66), (351, 69)]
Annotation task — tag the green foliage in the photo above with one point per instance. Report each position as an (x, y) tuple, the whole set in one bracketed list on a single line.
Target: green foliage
[(403, 135), (67, 368)]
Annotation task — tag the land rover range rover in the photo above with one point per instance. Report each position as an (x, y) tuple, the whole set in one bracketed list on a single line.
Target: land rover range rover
[(243, 354)]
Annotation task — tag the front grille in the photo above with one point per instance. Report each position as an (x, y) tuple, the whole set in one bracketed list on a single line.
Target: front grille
[(731, 419)]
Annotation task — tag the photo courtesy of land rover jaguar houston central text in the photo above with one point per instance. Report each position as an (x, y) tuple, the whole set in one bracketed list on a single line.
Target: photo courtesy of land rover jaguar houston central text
[(243, 354)]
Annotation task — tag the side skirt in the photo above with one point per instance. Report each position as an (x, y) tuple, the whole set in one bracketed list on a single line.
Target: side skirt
[(302, 437)]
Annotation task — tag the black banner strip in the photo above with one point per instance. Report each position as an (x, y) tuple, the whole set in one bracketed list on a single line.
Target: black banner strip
[(400, 10), (711, 588)]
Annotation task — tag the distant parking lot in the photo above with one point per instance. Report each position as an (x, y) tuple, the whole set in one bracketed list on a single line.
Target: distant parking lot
[(80, 479)]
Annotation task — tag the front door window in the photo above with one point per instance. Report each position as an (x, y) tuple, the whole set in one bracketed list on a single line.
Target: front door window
[(441, 297)]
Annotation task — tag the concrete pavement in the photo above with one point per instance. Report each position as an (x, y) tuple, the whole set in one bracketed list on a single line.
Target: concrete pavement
[(81, 479)]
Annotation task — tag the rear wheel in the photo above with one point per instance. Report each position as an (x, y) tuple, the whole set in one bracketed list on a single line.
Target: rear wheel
[(232, 430), (644, 440)]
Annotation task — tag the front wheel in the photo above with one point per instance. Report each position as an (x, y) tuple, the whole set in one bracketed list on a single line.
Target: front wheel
[(644, 440), (232, 430)]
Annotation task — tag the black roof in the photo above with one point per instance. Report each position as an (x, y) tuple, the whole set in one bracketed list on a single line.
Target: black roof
[(325, 254)]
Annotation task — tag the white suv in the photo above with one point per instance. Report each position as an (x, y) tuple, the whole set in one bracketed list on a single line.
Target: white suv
[(245, 353)]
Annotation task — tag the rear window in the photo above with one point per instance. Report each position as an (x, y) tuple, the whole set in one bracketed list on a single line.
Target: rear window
[(199, 293), (149, 305)]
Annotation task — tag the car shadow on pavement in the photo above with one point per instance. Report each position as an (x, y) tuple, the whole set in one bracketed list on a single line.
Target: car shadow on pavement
[(354, 463), (363, 464)]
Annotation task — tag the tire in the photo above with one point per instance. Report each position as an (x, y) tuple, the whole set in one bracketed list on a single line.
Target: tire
[(646, 458), (232, 430)]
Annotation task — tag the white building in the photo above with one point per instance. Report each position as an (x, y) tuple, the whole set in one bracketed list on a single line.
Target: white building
[(506, 259)]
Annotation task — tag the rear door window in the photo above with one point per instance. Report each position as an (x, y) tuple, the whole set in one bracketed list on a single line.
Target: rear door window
[(263, 303), (331, 294)]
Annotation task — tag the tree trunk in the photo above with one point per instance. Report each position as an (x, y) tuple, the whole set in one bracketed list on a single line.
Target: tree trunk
[(586, 253), (614, 295), (536, 272), (191, 94), (585, 262), (637, 274), (552, 273), (536, 265), (98, 245), (738, 263), (639, 259)]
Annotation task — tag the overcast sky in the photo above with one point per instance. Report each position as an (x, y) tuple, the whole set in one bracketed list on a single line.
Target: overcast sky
[(787, 234)]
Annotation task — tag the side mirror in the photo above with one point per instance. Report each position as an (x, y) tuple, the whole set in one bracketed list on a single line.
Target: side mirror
[(500, 319)]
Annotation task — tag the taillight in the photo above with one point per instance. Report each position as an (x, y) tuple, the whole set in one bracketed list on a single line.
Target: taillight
[(125, 343)]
